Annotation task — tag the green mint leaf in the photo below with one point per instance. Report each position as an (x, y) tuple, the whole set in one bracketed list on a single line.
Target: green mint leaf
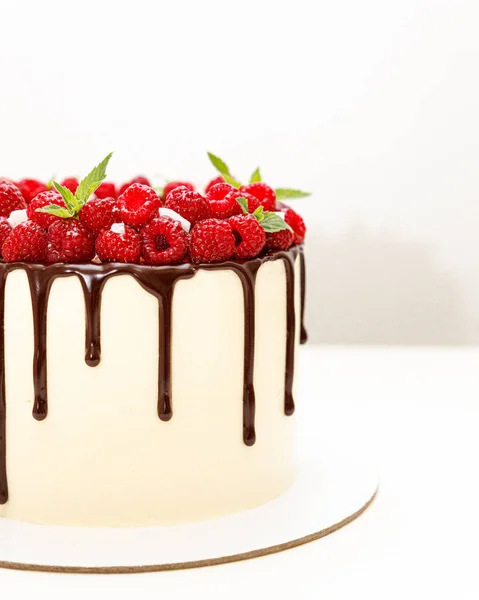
[(244, 204), (231, 180), (259, 214), (272, 222), (159, 190), (49, 183), (54, 209), (255, 177), (219, 164), (288, 194), (91, 182), (67, 196)]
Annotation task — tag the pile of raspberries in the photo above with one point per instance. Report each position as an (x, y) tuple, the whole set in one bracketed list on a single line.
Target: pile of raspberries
[(134, 224)]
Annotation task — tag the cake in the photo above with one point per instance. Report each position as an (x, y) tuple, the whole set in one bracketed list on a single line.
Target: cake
[(163, 328)]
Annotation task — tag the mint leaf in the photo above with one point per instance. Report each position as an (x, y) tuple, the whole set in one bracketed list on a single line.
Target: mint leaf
[(54, 209), (255, 177), (272, 222), (159, 190), (91, 182), (288, 193), (259, 213), (67, 196), (231, 180), (244, 204), (219, 164)]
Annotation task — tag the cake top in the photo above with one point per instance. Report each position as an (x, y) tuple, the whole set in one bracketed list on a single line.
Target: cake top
[(95, 220)]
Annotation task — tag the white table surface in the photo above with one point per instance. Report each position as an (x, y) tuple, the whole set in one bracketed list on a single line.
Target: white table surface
[(417, 410)]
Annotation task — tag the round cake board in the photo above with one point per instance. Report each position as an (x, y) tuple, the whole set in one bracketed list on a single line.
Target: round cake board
[(330, 492)]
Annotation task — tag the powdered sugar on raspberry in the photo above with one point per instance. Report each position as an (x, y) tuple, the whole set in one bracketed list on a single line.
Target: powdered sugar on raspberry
[(16, 217), (168, 212), (118, 228)]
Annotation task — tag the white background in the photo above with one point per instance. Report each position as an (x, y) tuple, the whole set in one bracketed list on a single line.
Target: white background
[(371, 105)]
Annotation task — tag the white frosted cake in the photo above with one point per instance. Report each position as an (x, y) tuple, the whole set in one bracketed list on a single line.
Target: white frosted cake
[(163, 386)]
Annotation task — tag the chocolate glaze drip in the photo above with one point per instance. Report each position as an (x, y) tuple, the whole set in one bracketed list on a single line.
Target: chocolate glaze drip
[(304, 334), (160, 282), (290, 333), (246, 271), (3, 447)]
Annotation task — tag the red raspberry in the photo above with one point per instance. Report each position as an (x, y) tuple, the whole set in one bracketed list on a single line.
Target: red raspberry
[(169, 187), (5, 230), (280, 240), (69, 241), (139, 179), (119, 246), (296, 223), (265, 194), (253, 202), (190, 205), (249, 236), (44, 199), (31, 188), (137, 204), (71, 183), (213, 182), (10, 198), (106, 190), (99, 214), (221, 206), (163, 241), (212, 240), (27, 242)]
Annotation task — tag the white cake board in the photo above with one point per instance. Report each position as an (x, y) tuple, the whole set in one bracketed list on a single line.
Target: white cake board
[(329, 493)]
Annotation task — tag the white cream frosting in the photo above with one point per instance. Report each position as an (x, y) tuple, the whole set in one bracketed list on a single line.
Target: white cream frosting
[(102, 457)]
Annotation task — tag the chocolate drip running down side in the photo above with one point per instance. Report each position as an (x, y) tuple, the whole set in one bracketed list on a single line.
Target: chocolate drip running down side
[(160, 282), (304, 334), (3, 441)]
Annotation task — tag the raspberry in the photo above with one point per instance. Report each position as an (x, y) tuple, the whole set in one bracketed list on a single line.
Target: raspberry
[(5, 230), (44, 199), (213, 182), (280, 240), (253, 202), (27, 242), (296, 223), (71, 183), (212, 240), (169, 187), (137, 204), (106, 190), (221, 206), (139, 179), (99, 214), (249, 236), (163, 241), (120, 243), (265, 194), (69, 241), (10, 198), (190, 205), (31, 188)]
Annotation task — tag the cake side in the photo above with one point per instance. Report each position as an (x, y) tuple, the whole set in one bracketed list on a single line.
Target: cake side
[(101, 456)]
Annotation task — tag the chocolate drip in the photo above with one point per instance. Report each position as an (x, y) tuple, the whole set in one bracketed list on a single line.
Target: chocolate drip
[(246, 271), (40, 290), (92, 287), (160, 282), (289, 261), (304, 334), (3, 446)]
